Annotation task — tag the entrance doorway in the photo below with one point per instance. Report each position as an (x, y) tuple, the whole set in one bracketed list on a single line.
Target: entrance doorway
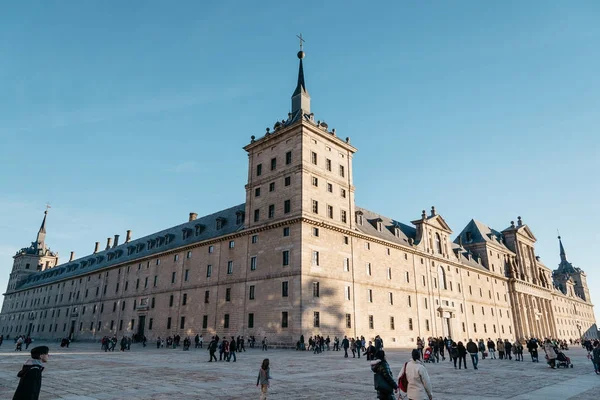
[(141, 326), (72, 330)]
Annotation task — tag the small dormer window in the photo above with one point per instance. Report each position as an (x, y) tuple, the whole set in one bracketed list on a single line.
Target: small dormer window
[(397, 232), (220, 222), (168, 239), (239, 217), (359, 217), (379, 226), (469, 236), (199, 229)]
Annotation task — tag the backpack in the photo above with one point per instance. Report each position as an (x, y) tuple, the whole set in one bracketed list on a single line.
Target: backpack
[(403, 380)]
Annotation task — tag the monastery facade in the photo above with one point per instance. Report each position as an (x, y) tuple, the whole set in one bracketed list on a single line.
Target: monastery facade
[(299, 257)]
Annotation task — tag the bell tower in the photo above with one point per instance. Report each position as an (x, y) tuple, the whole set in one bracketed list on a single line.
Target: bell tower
[(29, 260)]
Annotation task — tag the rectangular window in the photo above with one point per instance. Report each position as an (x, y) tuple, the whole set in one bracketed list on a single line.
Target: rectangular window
[(284, 319), (425, 300), (370, 295), (315, 181), (271, 210), (343, 192), (251, 292), (150, 324), (152, 303), (328, 164), (121, 325), (189, 254), (259, 170), (226, 321), (369, 269), (287, 206), (155, 280), (229, 267), (208, 270), (228, 294), (184, 299), (315, 232), (347, 292), (204, 321), (286, 257), (187, 275), (272, 187), (427, 325), (315, 258), (371, 324), (392, 325), (330, 188), (316, 319), (284, 289), (207, 296), (287, 181), (409, 301), (342, 171), (410, 324), (389, 273), (286, 231), (256, 215), (173, 277), (253, 263), (273, 164), (176, 257), (313, 157), (231, 244), (330, 211), (251, 320), (315, 206), (315, 289), (169, 323), (211, 249), (391, 298), (348, 321), (288, 158), (343, 216), (346, 264), (254, 239), (171, 301)]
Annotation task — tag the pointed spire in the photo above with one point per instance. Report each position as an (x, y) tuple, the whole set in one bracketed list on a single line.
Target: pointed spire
[(41, 236), (563, 254), (43, 227), (300, 97)]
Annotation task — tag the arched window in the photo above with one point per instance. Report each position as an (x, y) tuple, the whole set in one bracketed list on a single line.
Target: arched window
[(438, 243), (442, 277)]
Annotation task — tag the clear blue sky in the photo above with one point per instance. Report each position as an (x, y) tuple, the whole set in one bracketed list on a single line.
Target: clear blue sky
[(130, 115)]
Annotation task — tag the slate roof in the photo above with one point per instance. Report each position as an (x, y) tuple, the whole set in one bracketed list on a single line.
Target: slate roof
[(171, 238), (369, 227), (481, 233), (463, 257)]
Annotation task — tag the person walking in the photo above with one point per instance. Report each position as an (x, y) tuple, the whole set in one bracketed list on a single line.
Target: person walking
[(508, 349), (596, 357), (419, 383), (265, 344), (550, 353), (212, 349), (384, 382), (462, 355), (474, 352), (264, 376), (500, 345), (481, 347), (345, 345), (532, 347), (30, 382), (491, 348), (518, 350), (232, 349), (420, 345)]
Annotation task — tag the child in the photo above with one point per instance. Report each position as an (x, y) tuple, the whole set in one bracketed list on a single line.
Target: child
[(264, 374), (31, 374)]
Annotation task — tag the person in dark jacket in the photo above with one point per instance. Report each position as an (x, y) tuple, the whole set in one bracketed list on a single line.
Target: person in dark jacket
[(370, 351), (31, 375), (232, 350), (462, 355), (384, 381), (473, 349), (212, 348), (345, 345)]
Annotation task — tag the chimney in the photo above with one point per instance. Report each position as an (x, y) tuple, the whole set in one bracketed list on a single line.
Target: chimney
[(72, 256), (193, 216), (108, 240), (116, 241), (128, 238), (97, 247)]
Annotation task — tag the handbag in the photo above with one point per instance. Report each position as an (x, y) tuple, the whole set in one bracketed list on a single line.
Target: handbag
[(381, 385), (403, 380)]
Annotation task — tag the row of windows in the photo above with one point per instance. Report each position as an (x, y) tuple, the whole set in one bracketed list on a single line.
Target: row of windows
[(329, 213), (287, 208), (288, 161)]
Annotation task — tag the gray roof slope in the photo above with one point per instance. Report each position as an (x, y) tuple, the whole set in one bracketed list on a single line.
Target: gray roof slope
[(369, 227), (481, 233), (463, 257), (209, 231)]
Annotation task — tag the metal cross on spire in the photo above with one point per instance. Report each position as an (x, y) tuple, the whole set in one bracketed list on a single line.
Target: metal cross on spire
[(47, 207), (301, 41)]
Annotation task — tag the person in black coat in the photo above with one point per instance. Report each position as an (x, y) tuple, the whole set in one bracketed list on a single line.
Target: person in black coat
[(31, 375)]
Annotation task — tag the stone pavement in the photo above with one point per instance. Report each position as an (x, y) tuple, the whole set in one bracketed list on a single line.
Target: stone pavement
[(83, 372)]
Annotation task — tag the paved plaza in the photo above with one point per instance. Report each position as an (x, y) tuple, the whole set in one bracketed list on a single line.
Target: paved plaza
[(84, 372)]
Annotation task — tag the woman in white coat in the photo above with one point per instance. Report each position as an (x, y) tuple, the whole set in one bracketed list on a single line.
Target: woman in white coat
[(419, 384)]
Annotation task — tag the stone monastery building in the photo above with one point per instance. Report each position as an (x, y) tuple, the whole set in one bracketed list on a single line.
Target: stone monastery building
[(299, 257)]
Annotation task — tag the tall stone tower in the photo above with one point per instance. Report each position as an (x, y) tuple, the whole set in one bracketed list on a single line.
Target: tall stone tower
[(291, 164), (36, 257), (566, 276)]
